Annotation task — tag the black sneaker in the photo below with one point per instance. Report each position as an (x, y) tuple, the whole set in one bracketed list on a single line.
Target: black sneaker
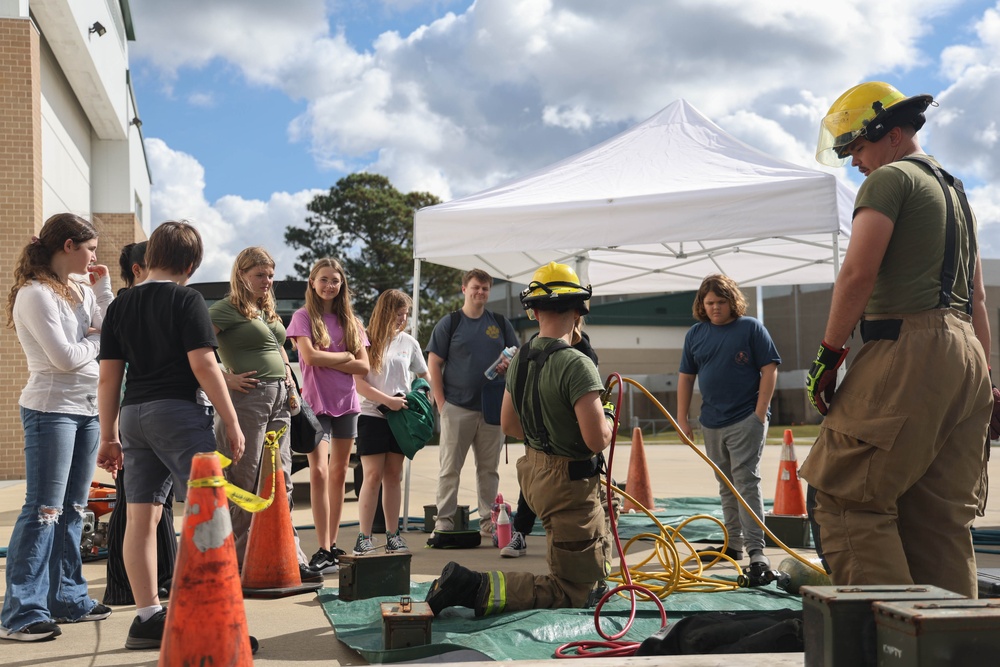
[(309, 576), (98, 613), (456, 587), (711, 553), (323, 562), (254, 645), (148, 634), (36, 632)]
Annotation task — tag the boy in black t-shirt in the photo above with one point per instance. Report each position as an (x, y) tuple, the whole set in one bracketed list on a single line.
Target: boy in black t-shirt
[(162, 330)]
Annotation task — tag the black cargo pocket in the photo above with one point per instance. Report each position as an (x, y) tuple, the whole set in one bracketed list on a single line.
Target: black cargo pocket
[(849, 458)]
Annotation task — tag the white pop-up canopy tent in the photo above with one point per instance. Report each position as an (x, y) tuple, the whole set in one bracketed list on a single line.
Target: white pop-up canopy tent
[(653, 209)]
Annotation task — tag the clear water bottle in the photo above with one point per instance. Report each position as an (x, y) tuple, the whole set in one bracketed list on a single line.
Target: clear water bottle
[(491, 373)]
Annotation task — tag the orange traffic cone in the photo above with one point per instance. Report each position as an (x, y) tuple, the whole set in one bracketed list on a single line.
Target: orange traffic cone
[(788, 497), (270, 565), (637, 484), (206, 622)]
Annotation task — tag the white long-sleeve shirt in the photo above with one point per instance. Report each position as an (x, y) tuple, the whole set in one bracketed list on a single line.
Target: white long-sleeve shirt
[(62, 357)]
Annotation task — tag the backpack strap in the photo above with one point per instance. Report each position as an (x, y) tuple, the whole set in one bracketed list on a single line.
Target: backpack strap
[(455, 318), (951, 231), (525, 356)]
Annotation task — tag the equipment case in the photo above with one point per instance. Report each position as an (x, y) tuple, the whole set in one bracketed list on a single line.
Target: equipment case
[(374, 575), (942, 633), (838, 623), (406, 623)]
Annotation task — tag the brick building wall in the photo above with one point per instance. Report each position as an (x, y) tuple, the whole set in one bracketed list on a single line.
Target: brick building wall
[(116, 230), (20, 209)]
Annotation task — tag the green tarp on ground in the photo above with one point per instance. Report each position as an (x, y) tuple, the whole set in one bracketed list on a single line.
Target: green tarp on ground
[(529, 635), (536, 634)]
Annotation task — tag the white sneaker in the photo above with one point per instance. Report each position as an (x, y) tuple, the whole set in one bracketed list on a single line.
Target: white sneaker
[(517, 546), (36, 632)]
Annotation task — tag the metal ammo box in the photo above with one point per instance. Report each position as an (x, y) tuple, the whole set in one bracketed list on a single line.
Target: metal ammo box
[(792, 529), (941, 633), (373, 575), (406, 623), (838, 623), (989, 582), (460, 522)]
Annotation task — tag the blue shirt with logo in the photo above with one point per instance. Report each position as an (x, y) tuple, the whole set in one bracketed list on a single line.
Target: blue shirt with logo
[(727, 360)]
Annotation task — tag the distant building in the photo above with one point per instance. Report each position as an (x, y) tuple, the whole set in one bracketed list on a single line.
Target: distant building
[(641, 338), (72, 141)]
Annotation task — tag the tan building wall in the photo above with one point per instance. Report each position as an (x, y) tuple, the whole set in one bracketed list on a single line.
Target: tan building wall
[(20, 209), (116, 230), (21, 189)]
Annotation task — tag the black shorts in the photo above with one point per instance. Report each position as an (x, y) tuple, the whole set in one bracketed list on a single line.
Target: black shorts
[(375, 437)]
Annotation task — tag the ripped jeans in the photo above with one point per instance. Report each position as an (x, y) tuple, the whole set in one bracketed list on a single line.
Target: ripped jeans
[(44, 576)]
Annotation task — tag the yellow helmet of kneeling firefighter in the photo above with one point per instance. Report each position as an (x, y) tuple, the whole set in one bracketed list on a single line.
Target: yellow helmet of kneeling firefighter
[(556, 285), (867, 110)]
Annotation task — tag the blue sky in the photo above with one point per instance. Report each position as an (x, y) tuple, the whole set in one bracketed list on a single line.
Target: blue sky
[(251, 107)]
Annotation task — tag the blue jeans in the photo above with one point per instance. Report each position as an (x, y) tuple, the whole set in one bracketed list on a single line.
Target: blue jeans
[(44, 570)]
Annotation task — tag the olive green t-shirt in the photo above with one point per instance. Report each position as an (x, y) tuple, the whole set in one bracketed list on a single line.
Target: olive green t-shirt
[(248, 344), (909, 278), (566, 377)]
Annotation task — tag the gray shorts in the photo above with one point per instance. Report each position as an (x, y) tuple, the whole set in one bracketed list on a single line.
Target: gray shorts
[(159, 441), (342, 427)]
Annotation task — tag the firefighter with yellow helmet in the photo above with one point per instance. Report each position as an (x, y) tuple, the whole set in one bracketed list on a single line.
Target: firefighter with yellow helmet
[(552, 401), (898, 461)]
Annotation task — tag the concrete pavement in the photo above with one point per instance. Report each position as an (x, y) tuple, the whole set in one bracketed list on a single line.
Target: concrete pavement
[(294, 630)]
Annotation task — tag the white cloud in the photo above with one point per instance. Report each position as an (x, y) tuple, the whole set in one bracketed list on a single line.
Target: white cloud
[(510, 85), (231, 223), (503, 87), (206, 100)]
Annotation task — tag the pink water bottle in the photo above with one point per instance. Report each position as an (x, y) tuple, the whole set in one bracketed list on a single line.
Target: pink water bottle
[(503, 527)]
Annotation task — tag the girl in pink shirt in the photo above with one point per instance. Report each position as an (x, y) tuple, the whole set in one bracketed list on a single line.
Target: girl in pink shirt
[(331, 343)]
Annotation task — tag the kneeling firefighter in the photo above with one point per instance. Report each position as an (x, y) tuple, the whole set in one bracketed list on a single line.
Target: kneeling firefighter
[(552, 401)]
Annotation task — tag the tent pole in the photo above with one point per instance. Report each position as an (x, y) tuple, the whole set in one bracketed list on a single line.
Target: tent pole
[(760, 304), (414, 328), (415, 315), (836, 255)]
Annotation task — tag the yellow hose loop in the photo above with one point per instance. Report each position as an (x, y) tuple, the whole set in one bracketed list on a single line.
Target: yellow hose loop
[(676, 532), (250, 502)]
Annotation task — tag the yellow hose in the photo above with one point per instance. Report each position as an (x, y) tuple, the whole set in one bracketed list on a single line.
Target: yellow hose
[(686, 574)]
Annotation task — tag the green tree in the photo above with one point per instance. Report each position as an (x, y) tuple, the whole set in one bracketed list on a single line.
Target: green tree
[(367, 224)]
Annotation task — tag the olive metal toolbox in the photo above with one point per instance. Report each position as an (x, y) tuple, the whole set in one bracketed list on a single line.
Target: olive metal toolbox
[(838, 623), (374, 575), (937, 633)]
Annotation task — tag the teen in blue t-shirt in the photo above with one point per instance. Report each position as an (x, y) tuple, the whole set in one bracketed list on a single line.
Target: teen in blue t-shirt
[(736, 364)]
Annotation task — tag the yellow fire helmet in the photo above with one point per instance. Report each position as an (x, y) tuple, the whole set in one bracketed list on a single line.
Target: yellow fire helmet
[(867, 110), (556, 284)]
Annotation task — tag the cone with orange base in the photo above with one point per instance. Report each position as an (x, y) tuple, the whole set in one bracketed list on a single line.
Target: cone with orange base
[(271, 565), (206, 622), (638, 484), (788, 497)]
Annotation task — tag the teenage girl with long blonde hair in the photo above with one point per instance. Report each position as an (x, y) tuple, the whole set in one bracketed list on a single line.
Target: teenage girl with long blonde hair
[(331, 343), (251, 340), (395, 358)]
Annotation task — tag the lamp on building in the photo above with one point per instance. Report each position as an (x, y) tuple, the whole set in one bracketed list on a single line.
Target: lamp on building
[(135, 121), (98, 28)]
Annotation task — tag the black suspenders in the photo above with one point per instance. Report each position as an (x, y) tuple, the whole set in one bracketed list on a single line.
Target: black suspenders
[(537, 357), (951, 232)]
